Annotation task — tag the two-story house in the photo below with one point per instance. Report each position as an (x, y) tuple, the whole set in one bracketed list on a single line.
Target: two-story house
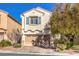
[(7, 24), (34, 23)]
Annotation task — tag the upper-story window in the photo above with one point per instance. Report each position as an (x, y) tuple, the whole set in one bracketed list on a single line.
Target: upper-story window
[(33, 20)]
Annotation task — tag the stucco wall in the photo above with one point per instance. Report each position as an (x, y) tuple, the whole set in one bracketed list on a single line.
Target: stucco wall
[(44, 20), (11, 25), (3, 20), (7, 24)]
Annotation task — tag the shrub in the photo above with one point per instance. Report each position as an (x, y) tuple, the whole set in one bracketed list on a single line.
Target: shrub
[(17, 45), (5, 43), (69, 45), (61, 47), (75, 47)]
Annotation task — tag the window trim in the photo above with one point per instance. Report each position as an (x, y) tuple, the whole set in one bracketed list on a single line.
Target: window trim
[(37, 21)]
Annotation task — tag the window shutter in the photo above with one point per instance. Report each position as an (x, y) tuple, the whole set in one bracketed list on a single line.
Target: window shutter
[(27, 20), (39, 20)]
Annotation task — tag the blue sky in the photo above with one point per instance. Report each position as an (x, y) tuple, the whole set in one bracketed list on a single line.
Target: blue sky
[(16, 9)]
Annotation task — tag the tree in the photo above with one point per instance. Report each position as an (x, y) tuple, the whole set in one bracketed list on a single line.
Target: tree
[(66, 21)]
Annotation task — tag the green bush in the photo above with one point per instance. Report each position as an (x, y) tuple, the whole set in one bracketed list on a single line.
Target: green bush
[(61, 47), (60, 44), (5, 43), (75, 47), (69, 45), (63, 44), (17, 45)]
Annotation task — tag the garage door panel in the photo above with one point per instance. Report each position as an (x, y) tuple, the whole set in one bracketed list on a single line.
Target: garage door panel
[(29, 39)]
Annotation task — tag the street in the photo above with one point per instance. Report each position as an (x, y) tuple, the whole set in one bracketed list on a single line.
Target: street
[(14, 54), (28, 54)]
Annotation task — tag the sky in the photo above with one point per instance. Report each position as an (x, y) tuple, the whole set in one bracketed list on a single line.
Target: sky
[(16, 9)]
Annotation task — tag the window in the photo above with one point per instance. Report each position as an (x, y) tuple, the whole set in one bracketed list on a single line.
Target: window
[(33, 20)]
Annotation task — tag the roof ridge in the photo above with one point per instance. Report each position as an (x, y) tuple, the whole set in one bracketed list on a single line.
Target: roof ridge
[(43, 9), (4, 11)]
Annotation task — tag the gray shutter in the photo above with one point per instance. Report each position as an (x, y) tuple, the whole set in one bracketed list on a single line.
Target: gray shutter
[(39, 20), (27, 20)]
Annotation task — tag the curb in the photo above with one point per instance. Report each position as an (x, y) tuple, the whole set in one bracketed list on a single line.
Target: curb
[(42, 54)]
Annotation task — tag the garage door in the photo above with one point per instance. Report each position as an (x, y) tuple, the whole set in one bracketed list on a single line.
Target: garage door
[(29, 39)]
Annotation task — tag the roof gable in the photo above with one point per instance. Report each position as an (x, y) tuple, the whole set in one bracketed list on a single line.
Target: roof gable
[(39, 10), (9, 16)]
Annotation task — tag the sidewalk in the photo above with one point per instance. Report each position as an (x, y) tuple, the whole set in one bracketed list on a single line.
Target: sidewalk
[(36, 51), (30, 53)]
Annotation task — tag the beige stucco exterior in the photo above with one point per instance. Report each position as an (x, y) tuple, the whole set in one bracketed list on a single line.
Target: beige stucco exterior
[(7, 24), (3, 19), (31, 29), (12, 24)]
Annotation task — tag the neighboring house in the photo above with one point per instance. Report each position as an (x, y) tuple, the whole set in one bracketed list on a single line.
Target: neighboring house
[(34, 23), (7, 24)]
